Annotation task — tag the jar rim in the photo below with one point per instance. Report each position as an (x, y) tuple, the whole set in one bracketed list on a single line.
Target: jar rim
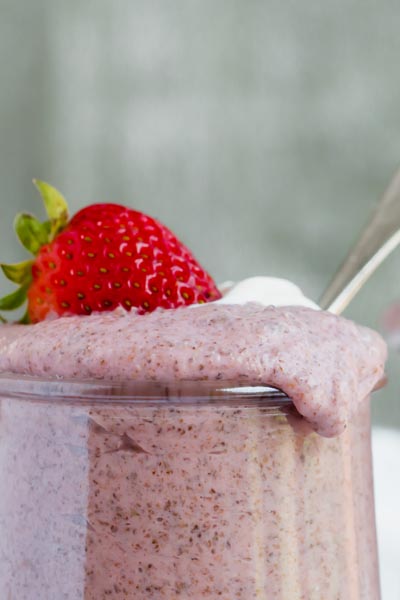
[(136, 392)]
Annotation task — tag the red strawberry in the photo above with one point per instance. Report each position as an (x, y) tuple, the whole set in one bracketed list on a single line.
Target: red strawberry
[(106, 256)]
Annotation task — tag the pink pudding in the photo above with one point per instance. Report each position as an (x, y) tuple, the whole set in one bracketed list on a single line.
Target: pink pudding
[(142, 457)]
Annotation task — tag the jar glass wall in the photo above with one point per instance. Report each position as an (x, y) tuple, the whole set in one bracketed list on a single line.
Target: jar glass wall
[(192, 490)]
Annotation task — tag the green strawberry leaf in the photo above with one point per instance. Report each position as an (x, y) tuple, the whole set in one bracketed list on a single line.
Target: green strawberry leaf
[(2, 319), (19, 272), (14, 300), (24, 320), (31, 233), (55, 205)]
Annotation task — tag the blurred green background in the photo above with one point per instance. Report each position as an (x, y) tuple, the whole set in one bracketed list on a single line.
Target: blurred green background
[(261, 132)]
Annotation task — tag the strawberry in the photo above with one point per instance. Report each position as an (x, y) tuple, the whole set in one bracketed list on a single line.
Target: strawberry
[(106, 256)]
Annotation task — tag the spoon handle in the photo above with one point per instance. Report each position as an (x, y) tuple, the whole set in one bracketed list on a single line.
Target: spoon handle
[(379, 238)]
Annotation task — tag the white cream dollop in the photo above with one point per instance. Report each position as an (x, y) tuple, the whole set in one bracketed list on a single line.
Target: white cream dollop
[(269, 291)]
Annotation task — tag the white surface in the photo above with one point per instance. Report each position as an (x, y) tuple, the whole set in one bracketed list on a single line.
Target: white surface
[(386, 452), (265, 290)]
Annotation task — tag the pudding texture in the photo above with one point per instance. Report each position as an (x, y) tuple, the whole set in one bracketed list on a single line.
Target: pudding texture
[(182, 495), (231, 501), (326, 364)]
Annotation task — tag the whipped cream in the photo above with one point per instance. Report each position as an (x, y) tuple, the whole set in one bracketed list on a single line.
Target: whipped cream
[(268, 291)]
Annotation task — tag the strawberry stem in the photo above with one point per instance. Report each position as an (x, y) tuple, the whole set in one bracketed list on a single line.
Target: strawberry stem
[(15, 299), (18, 273), (24, 320), (33, 235), (56, 207)]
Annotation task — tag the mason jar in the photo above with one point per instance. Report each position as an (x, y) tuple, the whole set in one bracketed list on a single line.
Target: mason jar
[(185, 490)]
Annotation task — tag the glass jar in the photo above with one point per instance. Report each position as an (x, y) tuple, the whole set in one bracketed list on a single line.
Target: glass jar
[(186, 490)]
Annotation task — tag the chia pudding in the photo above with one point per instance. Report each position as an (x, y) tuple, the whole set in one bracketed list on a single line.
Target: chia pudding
[(142, 457)]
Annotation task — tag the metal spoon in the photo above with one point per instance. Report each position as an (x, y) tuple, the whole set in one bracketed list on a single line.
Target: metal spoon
[(377, 240)]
